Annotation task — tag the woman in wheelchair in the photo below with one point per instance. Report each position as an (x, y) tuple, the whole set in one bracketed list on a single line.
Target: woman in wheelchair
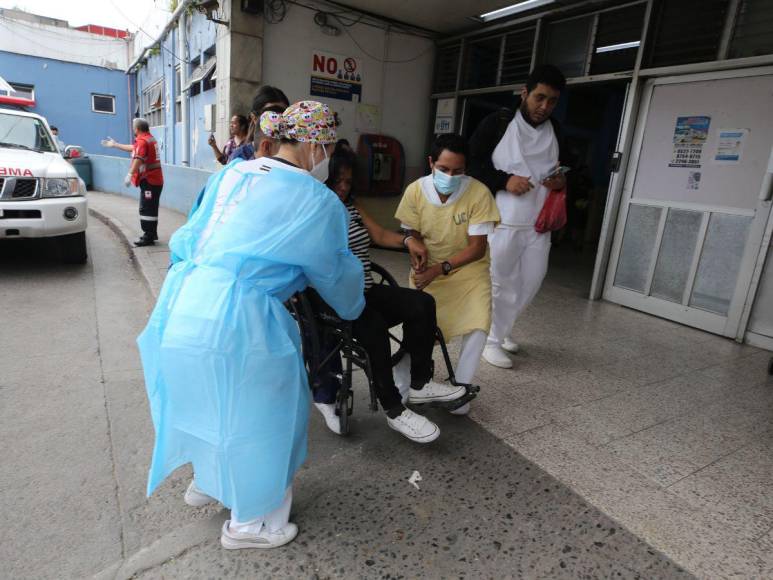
[(385, 307)]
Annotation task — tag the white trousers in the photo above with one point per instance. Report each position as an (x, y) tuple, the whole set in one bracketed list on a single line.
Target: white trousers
[(469, 359), (519, 262), (274, 520)]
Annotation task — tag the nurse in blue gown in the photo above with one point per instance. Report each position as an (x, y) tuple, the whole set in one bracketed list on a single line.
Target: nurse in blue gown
[(221, 355)]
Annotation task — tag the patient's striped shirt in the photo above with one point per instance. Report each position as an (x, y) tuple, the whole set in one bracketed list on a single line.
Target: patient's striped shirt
[(359, 241)]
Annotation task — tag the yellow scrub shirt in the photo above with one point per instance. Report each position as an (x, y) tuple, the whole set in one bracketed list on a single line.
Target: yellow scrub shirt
[(463, 297)]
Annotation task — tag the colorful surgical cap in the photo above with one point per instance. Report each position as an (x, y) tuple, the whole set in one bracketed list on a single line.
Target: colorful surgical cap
[(305, 121)]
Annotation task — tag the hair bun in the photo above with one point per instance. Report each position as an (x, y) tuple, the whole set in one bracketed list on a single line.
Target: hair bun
[(273, 125)]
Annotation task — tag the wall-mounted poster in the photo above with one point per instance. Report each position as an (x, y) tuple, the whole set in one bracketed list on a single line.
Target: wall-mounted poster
[(335, 76), (730, 144), (690, 135)]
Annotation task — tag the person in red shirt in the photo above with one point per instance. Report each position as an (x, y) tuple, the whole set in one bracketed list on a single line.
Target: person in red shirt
[(144, 172)]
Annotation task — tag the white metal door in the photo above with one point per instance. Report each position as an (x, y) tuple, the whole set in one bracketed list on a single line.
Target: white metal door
[(695, 202)]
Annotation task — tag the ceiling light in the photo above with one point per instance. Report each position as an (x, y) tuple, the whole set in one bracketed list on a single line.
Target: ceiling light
[(514, 9), (621, 46)]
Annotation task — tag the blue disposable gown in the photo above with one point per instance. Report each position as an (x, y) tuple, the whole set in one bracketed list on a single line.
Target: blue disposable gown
[(221, 355)]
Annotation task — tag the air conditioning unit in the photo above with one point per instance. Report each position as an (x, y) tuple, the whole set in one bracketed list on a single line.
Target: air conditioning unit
[(210, 118)]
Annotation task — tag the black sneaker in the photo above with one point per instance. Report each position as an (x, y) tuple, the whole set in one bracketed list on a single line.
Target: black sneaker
[(144, 242)]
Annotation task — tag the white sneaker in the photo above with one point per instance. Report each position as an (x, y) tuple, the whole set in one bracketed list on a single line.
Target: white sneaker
[(511, 346), (463, 410), (433, 391), (231, 540), (495, 355), (328, 411), (194, 497), (415, 427)]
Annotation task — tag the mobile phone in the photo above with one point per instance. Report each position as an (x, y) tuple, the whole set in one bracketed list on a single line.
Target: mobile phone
[(562, 170)]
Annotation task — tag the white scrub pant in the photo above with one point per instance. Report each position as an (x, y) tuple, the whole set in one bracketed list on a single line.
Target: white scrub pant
[(274, 520), (519, 262), (469, 359)]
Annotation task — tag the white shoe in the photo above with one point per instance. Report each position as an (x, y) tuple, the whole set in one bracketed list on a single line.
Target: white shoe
[(231, 540), (433, 391), (511, 346), (463, 410), (332, 421), (495, 355), (415, 427), (194, 497)]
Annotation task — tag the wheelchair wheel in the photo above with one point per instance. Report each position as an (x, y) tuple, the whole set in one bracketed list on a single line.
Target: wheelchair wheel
[(344, 407), (301, 310), (381, 277)]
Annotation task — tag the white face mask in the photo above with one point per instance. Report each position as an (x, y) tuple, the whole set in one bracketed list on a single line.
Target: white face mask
[(320, 171)]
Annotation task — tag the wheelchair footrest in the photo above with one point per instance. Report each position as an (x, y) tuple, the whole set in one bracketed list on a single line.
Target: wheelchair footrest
[(472, 392)]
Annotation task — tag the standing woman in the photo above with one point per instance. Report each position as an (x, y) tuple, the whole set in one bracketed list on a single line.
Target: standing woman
[(222, 357), (238, 128)]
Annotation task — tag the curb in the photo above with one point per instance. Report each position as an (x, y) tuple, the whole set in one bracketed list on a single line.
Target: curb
[(141, 257)]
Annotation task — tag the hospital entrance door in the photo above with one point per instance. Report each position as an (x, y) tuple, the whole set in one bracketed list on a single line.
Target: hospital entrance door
[(696, 200)]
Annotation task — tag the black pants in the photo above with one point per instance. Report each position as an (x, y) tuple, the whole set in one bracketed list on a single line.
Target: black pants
[(385, 307), (150, 195)]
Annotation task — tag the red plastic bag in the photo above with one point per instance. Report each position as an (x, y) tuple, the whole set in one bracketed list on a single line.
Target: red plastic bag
[(552, 217)]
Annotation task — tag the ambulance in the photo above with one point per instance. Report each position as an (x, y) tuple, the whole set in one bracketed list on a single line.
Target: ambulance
[(41, 195)]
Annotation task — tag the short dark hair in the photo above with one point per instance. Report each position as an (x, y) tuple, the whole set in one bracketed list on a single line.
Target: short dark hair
[(450, 141), (54, 128), (141, 124), (265, 95), (547, 74)]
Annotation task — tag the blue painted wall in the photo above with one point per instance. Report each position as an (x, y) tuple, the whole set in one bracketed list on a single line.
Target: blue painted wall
[(63, 96), (202, 36), (181, 184)]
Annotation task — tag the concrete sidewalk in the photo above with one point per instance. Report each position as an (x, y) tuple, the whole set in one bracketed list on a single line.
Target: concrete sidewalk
[(121, 214), (664, 428)]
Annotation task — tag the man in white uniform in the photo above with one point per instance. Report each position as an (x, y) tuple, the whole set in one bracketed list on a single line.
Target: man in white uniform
[(517, 157)]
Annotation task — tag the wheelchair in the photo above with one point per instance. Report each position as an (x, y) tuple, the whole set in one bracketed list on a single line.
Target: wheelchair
[(324, 335)]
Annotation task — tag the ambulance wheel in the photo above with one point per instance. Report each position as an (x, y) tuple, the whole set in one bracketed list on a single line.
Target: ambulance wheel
[(73, 247)]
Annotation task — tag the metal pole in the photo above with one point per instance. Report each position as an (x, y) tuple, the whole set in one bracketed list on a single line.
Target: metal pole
[(182, 52)]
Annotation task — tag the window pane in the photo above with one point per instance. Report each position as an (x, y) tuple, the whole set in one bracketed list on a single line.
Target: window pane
[(23, 91), (617, 27), (686, 31), (567, 45), (754, 29), (481, 59), (641, 229), (446, 68), (516, 59), (720, 261), (676, 253), (104, 103)]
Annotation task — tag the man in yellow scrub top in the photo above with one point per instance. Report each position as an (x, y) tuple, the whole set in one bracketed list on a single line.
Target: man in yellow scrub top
[(453, 214)]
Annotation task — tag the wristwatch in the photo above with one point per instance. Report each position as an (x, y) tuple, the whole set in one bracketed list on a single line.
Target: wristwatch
[(447, 267)]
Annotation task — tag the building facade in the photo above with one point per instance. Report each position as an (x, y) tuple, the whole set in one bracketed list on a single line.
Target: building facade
[(74, 78), (226, 62)]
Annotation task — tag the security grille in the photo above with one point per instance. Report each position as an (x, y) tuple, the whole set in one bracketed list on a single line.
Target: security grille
[(25, 188), (516, 59), (15, 188), (446, 68), (753, 35), (686, 31)]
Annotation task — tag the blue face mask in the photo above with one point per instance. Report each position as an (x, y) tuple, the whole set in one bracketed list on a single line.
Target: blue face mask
[(444, 183)]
